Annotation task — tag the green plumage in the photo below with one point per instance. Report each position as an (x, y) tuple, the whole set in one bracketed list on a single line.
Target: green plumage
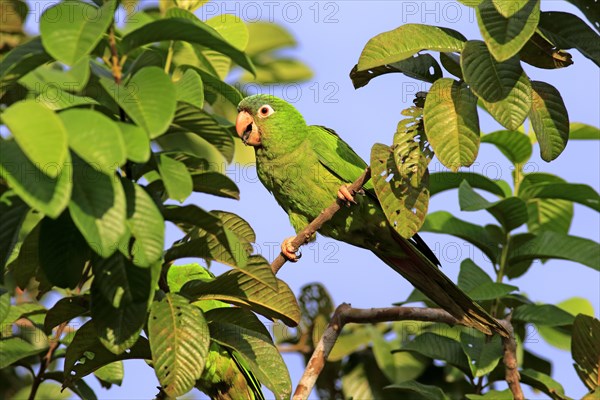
[(304, 166)]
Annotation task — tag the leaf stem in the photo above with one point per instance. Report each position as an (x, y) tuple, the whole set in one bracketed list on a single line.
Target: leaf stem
[(169, 57)]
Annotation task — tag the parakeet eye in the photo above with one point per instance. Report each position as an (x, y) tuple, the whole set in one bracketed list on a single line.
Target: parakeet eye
[(265, 111)]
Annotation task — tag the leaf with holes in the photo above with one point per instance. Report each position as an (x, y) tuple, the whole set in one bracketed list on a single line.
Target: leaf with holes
[(406, 40), (451, 123), (179, 340), (549, 119), (505, 36)]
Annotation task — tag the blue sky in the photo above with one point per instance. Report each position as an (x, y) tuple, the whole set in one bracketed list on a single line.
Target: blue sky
[(331, 36)]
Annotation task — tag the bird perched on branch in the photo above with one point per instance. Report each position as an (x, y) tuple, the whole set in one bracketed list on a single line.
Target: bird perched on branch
[(303, 166)]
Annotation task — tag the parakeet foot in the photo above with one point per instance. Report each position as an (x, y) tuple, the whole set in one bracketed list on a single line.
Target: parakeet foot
[(345, 195), (289, 251)]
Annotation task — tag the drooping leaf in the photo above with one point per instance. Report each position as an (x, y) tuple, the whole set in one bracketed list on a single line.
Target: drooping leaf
[(451, 123), (567, 31), (35, 187), (506, 36), (579, 131), (442, 181), (585, 348), (422, 67), (451, 62), (111, 374), (149, 98), (179, 339), (40, 134), (541, 53), (578, 193), (406, 40), (71, 30), (65, 310), (549, 119), (513, 144)]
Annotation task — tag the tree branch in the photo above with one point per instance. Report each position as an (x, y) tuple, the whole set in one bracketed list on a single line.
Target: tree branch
[(304, 235), (511, 365)]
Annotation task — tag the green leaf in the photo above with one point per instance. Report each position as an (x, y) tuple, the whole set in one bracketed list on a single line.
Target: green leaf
[(439, 348), (15, 349), (515, 145), (579, 131), (234, 30), (51, 78), (149, 98), (63, 251), (201, 123), (451, 62), (508, 8), (558, 337), (543, 383), (95, 138), (544, 314), (146, 225), (185, 30), (21, 60), (587, 8), (112, 373), (585, 348), (40, 134), (405, 206), (239, 226), (546, 214), (541, 53), (511, 212), (280, 70), (422, 67), (483, 354), (136, 141), (478, 285), (217, 184), (382, 350), (549, 119), (266, 37), (235, 330), (567, 31), (425, 391), (406, 40), (189, 89), (65, 310), (86, 354), (492, 395), (98, 207), (71, 30), (548, 244), (4, 304), (442, 181), (175, 177), (179, 340), (578, 193), (444, 222), (14, 213), (40, 191), (213, 86), (451, 123), (506, 36), (120, 299), (63, 100), (238, 288)]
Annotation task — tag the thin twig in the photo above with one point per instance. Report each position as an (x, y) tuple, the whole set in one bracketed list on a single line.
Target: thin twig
[(304, 235), (511, 365), (115, 63)]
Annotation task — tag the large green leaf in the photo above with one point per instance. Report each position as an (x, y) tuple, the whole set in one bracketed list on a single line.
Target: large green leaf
[(422, 67), (405, 205), (451, 123), (441, 348), (579, 131), (145, 224), (71, 30), (234, 30), (54, 80), (567, 31), (478, 285), (482, 353), (406, 40), (511, 212), (95, 138), (506, 36), (186, 30), (559, 337), (546, 214), (189, 89), (515, 145), (201, 123), (214, 87), (179, 340), (217, 184), (239, 330), (86, 354), (444, 222), (136, 141), (585, 348), (40, 134), (111, 374), (239, 226), (543, 314), (543, 383), (149, 98), (21, 60), (550, 244), (40, 191), (120, 299), (15, 349), (175, 177), (442, 181), (266, 37), (63, 251), (578, 193), (549, 119), (97, 207), (238, 288)]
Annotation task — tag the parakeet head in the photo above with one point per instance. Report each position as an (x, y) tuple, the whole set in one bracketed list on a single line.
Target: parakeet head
[(264, 119)]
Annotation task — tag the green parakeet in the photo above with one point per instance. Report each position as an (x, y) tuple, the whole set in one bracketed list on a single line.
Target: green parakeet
[(304, 166)]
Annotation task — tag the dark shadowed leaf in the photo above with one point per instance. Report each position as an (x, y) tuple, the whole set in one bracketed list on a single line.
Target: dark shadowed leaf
[(585, 348), (549, 119), (422, 67)]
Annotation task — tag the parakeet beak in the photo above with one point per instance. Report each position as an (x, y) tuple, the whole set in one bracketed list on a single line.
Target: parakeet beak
[(247, 129)]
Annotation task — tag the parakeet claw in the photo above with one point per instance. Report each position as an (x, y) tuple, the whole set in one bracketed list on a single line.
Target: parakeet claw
[(289, 251), (345, 195)]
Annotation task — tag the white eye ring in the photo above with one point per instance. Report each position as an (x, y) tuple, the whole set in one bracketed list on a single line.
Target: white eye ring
[(265, 110)]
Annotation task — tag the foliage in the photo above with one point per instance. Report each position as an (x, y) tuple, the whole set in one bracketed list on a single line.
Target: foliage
[(109, 130)]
